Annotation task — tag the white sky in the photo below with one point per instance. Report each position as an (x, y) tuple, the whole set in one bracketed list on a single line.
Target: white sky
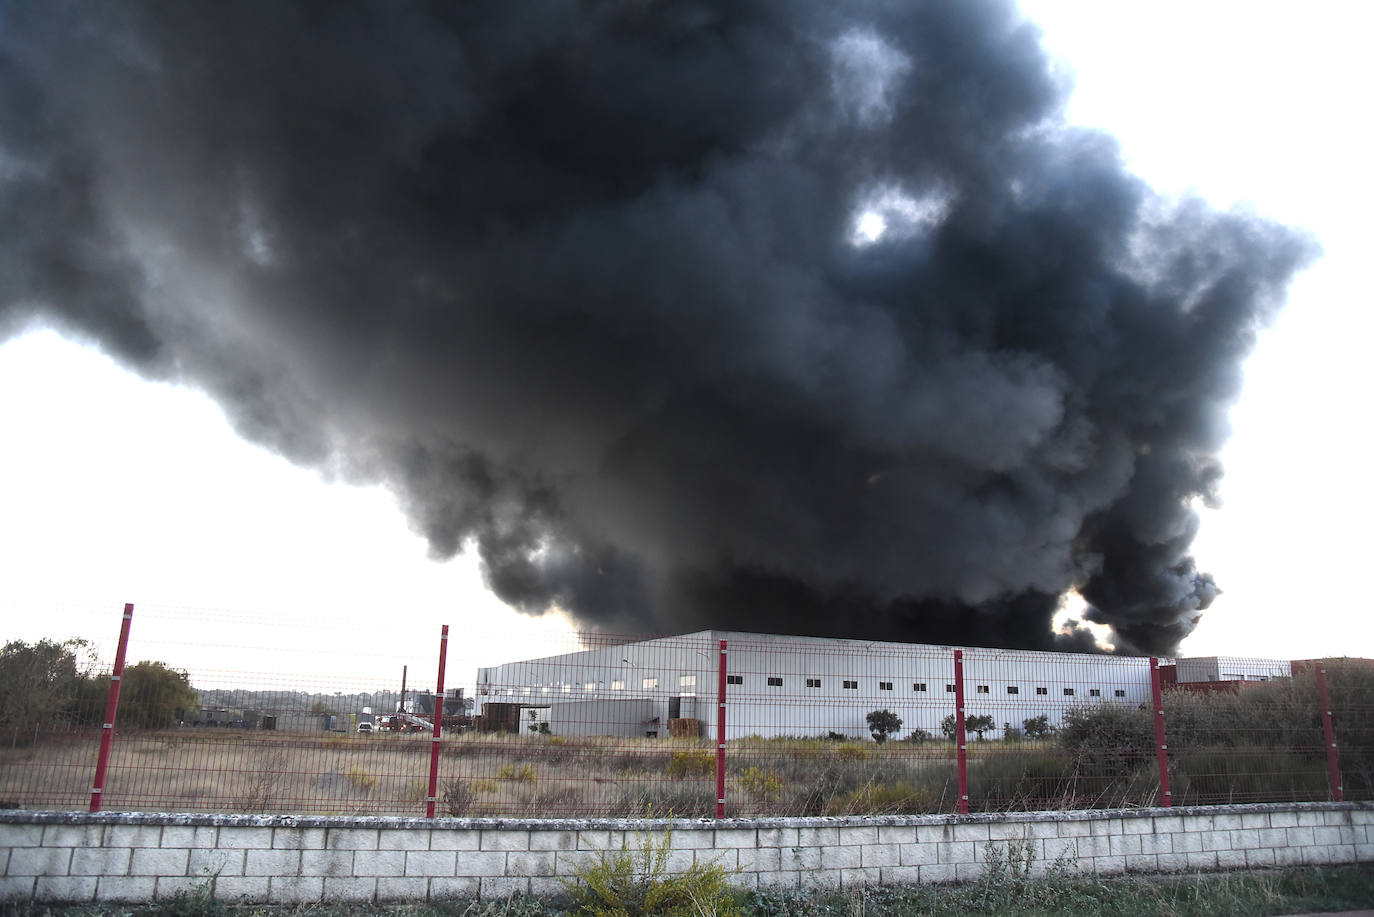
[(113, 489)]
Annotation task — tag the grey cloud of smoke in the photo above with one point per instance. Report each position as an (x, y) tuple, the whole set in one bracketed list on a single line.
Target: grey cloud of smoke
[(579, 281)]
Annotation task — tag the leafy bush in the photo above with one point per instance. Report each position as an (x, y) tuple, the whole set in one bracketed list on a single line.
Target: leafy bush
[(1108, 740), (1037, 727), (637, 883), (760, 783), (980, 724), (692, 764), (852, 751), (882, 723), (524, 773), (919, 737)]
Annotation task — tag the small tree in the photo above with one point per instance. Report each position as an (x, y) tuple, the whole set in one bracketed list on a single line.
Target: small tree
[(1036, 727), (883, 723), (979, 724), (154, 694), (949, 727)]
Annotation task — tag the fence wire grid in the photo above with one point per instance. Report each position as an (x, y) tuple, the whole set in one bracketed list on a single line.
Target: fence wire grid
[(714, 723)]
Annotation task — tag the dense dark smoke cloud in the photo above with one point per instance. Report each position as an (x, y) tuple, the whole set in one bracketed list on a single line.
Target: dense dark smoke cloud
[(589, 285)]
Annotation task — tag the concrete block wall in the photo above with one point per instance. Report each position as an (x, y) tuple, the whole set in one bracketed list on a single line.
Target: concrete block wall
[(138, 857)]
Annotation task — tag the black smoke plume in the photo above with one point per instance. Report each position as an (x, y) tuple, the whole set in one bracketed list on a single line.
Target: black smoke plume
[(591, 286)]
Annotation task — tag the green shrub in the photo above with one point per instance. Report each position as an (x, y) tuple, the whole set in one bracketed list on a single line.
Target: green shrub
[(692, 764), (1235, 774), (852, 751), (760, 783), (637, 883), (523, 774)]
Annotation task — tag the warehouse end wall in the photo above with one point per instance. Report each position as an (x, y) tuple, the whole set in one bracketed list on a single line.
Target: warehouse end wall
[(67, 857)]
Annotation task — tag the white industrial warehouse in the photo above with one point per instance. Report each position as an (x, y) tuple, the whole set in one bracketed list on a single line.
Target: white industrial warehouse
[(811, 686)]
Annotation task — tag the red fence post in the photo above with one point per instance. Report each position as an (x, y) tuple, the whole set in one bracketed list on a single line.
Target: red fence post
[(102, 761), (960, 737), (1161, 747), (438, 725), (720, 735), (1333, 761)]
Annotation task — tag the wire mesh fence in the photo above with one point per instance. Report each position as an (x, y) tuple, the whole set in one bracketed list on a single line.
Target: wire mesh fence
[(313, 721)]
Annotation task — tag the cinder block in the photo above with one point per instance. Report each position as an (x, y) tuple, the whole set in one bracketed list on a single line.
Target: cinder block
[(851, 878), (768, 859), (402, 839), (189, 836), (818, 837), (151, 861), (504, 840), (391, 888), (979, 834), (1124, 845), (524, 862), (1231, 859), (1259, 857), (1056, 848), (918, 854), (1301, 837), (1205, 860), (1327, 835), (566, 862), (1106, 827), (241, 888), (825, 878), (677, 861), (598, 840), (483, 862), (295, 889), (694, 840), (858, 836), (100, 861), (272, 863), (1109, 865), (1146, 862), (1008, 831), (539, 840), (1341, 853), (735, 838), (453, 887), (800, 858), (1188, 842), (1172, 862), (1364, 853), (1254, 820), (1273, 837), (900, 875), (779, 880), (1287, 856), (350, 839), (431, 862), (171, 886), (1168, 824), (1316, 855), (1283, 819), (133, 835), (1311, 819), (1141, 825), (1245, 838), (1226, 822), (302, 838), (1094, 846), (841, 857), (73, 835), (783, 837), (744, 881), (540, 887), (1196, 824), (1156, 843), (950, 852), (125, 888), (246, 838), (15, 836), (54, 889), (1216, 840), (379, 862), (331, 864), (491, 887), (346, 888), (1066, 829), (726, 859), (937, 873), (967, 872), (202, 862), (873, 855), (39, 861)]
